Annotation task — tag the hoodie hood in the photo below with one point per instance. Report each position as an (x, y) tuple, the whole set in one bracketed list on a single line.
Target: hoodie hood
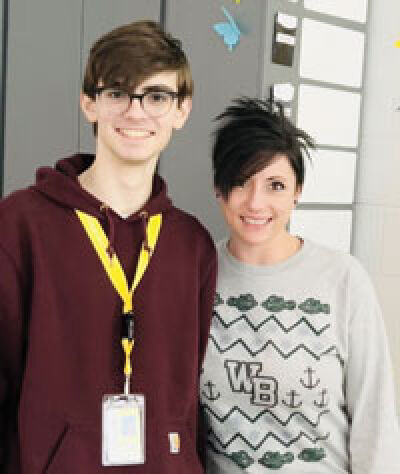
[(60, 184)]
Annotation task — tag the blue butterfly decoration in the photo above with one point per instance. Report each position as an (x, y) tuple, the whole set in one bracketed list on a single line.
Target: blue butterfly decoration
[(229, 31)]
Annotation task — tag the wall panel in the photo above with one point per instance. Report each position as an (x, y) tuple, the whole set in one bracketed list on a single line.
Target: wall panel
[(219, 75), (42, 86), (99, 17), (48, 43)]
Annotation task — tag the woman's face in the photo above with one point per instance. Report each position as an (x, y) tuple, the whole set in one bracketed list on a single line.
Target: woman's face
[(257, 212)]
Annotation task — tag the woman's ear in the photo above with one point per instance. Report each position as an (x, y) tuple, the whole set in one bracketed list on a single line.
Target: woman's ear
[(297, 195)]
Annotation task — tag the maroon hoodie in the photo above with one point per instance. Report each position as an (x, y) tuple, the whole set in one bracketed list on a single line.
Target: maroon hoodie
[(60, 323)]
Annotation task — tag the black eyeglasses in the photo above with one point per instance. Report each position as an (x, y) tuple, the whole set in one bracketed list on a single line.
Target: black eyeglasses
[(154, 102)]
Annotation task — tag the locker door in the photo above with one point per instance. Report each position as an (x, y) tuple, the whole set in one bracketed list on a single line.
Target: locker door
[(48, 42), (42, 86), (219, 75), (99, 17)]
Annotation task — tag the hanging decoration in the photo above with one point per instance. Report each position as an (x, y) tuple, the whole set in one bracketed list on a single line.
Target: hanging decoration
[(228, 30)]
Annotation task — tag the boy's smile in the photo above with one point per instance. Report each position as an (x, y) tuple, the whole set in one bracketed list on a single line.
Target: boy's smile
[(136, 133), (133, 135)]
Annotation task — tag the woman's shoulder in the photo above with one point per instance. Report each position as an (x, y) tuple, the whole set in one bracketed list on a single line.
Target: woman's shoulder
[(339, 261)]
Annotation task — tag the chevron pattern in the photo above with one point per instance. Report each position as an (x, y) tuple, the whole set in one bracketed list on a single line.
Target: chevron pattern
[(285, 329), (222, 419), (271, 343), (257, 446)]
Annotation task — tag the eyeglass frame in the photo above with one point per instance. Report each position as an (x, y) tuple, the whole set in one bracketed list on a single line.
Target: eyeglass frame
[(172, 94)]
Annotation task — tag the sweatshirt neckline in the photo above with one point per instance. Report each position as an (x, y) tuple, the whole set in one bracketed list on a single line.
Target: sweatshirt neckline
[(267, 269), (61, 185)]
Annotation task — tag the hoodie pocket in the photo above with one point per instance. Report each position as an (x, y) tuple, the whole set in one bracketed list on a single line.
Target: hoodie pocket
[(77, 451), (40, 435), (48, 444)]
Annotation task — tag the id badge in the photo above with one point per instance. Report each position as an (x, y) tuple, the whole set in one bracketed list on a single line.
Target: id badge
[(123, 430)]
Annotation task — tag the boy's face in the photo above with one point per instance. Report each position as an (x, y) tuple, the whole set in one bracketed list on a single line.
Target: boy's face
[(133, 135)]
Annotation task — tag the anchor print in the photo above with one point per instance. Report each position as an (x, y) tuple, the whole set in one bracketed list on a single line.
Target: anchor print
[(292, 395), (324, 399), (310, 383), (211, 395)]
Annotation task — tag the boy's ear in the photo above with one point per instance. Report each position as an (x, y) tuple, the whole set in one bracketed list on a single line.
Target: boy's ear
[(88, 106), (182, 113)]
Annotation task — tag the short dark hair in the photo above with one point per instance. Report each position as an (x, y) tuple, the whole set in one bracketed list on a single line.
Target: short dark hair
[(252, 133)]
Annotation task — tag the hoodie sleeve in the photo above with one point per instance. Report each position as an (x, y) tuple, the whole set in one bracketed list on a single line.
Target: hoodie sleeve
[(11, 357), (374, 427), (207, 297)]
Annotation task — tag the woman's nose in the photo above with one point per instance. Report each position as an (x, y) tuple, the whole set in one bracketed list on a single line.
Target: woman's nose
[(256, 199)]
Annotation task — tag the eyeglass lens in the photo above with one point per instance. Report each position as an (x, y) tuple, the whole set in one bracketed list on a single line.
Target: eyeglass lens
[(154, 103)]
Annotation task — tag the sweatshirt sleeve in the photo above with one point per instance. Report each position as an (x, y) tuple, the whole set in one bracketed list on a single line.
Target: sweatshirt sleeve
[(374, 442), (11, 356)]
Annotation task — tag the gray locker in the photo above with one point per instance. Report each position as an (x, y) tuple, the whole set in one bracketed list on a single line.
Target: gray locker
[(48, 42), (100, 16), (219, 75)]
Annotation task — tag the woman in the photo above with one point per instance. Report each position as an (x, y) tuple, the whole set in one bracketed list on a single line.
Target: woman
[(297, 375)]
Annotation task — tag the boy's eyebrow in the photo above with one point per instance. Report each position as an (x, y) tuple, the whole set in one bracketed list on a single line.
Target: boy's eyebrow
[(158, 87), (151, 88)]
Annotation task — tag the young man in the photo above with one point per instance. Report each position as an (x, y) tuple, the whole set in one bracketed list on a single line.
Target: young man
[(106, 289)]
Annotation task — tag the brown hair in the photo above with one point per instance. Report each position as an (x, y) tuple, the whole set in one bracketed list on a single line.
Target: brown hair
[(129, 54)]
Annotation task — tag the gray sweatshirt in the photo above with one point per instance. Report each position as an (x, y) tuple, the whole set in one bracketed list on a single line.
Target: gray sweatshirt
[(297, 376)]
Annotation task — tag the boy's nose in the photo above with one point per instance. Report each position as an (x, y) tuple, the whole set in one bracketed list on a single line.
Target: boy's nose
[(135, 108)]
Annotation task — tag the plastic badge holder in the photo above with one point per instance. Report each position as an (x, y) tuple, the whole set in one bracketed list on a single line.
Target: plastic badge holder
[(123, 430)]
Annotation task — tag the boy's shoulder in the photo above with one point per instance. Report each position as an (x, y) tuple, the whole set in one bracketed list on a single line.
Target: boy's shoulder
[(188, 220), (18, 203), (186, 224), (17, 211)]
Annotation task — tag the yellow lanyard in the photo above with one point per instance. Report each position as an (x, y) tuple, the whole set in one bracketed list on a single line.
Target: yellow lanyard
[(114, 269)]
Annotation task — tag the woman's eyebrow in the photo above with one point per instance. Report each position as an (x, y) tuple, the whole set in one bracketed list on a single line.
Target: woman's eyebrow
[(270, 178)]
